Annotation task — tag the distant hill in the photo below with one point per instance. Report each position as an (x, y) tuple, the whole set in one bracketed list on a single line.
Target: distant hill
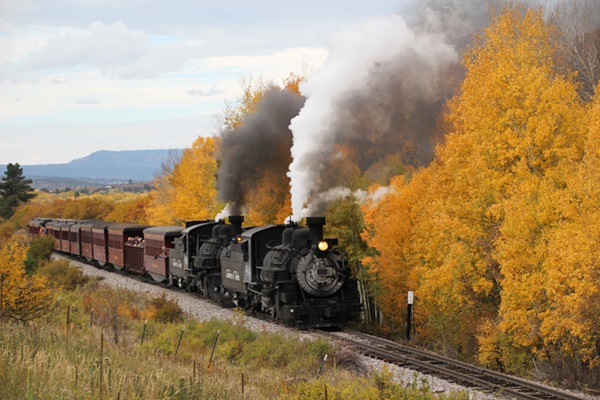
[(105, 167)]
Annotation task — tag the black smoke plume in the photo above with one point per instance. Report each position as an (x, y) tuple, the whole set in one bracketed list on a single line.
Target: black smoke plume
[(260, 146)]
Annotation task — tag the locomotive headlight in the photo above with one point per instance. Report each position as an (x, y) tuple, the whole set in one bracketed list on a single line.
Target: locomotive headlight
[(323, 245)]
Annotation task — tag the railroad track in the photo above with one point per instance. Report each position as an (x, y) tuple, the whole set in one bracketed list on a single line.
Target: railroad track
[(448, 369)]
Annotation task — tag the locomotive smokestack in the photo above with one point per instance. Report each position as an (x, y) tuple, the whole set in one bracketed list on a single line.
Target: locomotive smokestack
[(236, 224), (315, 227)]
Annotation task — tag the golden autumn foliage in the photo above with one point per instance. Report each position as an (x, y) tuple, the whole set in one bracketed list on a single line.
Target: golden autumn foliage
[(22, 297), (566, 319), (113, 206), (187, 191), (133, 211), (515, 132), (498, 237), (387, 230)]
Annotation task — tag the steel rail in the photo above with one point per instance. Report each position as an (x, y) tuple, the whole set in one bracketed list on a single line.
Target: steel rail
[(448, 368)]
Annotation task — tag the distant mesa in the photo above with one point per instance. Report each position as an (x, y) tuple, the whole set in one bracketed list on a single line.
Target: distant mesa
[(103, 167)]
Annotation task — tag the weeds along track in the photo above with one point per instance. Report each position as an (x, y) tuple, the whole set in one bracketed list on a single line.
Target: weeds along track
[(453, 371), (199, 307), (445, 368)]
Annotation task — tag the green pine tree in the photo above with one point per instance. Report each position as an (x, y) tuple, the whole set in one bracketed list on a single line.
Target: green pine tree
[(14, 190)]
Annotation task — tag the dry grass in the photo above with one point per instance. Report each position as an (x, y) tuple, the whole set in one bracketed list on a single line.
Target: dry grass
[(46, 360)]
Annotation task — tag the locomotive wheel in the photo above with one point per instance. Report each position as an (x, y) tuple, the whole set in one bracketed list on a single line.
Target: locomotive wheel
[(157, 278), (214, 290)]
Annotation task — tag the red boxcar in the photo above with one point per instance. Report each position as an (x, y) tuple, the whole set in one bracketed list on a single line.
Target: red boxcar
[(53, 229), (118, 235), (75, 238), (37, 226), (158, 241), (100, 242), (64, 236)]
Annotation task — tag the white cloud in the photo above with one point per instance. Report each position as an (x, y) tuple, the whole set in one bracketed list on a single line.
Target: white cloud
[(206, 92), (115, 50), (88, 101), (60, 98), (12, 7), (80, 62), (292, 56)]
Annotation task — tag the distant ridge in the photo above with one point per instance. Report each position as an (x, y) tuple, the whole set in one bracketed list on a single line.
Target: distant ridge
[(106, 166)]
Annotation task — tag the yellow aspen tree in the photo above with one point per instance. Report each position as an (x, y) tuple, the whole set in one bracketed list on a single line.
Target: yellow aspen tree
[(162, 194), (22, 297), (541, 143), (194, 181), (186, 190), (513, 133), (391, 233), (134, 211), (570, 326), (246, 104)]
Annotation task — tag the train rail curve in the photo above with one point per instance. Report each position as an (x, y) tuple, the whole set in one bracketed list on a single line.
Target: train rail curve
[(446, 368)]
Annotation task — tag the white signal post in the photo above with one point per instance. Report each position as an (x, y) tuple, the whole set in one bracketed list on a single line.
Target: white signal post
[(409, 314)]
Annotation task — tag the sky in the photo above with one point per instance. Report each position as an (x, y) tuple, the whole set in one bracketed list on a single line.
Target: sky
[(78, 76)]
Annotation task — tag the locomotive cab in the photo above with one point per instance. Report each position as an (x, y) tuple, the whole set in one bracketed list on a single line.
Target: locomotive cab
[(183, 272), (243, 258)]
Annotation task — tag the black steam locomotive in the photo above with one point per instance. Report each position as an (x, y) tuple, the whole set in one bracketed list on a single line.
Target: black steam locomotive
[(287, 272)]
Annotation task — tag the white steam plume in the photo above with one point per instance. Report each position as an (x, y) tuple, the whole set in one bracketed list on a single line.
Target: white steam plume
[(224, 213), (320, 201), (354, 56)]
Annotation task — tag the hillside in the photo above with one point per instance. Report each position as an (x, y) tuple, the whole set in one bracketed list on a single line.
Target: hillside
[(104, 166)]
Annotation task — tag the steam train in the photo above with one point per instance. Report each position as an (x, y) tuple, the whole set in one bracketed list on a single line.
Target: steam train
[(289, 273)]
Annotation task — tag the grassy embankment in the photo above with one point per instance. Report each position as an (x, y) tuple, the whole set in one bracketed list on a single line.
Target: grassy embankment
[(89, 347)]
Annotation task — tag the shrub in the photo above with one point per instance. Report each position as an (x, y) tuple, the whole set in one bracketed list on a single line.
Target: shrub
[(40, 250), (61, 273), (165, 310)]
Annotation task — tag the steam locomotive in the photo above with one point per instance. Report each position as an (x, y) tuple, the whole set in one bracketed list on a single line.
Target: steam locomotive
[(286, 272)]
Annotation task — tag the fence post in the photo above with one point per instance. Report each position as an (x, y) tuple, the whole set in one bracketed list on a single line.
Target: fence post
[(179, 341), (101, 356), (213, 349), (144, 332), (67, 328), (322, 365)]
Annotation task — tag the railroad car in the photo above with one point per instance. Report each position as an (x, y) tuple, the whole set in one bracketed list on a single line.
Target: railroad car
[(158, 241), (37, 226), (100, 242), (122, 256)]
